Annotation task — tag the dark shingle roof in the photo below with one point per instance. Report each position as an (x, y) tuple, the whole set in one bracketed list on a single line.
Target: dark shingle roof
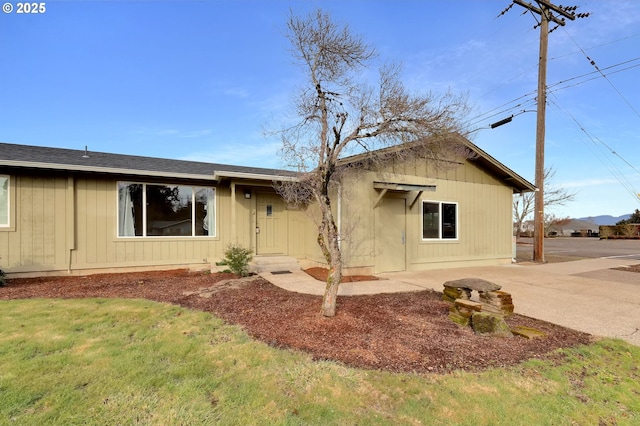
[(71, 159)]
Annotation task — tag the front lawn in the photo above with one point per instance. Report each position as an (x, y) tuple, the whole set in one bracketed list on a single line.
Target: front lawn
[(115, 361)]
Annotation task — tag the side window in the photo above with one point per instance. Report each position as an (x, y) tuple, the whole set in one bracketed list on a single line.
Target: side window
[(439, 220), (129, 209), (430, 220), (449, 219), (4, 201), (205, 211)]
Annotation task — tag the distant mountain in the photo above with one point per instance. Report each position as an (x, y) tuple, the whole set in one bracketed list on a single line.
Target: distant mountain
[(605, 219)]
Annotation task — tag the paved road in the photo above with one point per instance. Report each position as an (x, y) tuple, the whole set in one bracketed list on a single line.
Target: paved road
[(583, 248)]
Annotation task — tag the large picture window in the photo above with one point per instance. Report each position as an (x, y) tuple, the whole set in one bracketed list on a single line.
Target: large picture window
[(153, 210), (439, 220), (4, 201)]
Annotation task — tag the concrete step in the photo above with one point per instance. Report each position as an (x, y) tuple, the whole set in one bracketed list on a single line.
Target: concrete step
[(261, 264)]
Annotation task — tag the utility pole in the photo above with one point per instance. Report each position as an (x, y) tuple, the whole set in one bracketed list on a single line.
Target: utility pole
[(547, 12)]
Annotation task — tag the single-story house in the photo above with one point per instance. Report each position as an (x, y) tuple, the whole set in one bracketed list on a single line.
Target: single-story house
[(563, 228), (65, 211), (573, 228)]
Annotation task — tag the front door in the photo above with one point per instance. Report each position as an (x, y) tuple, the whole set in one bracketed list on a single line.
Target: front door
[(390, 238), (271, 226)]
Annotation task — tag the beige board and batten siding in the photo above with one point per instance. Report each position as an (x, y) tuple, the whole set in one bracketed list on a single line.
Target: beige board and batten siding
[(302, 234), (357, 224), (99, 247), (484, 220), (69, 224), (38, 238), (484, 217), (298, 226)]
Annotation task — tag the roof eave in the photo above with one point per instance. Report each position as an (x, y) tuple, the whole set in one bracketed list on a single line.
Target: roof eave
[(517, 182), (106, 170)]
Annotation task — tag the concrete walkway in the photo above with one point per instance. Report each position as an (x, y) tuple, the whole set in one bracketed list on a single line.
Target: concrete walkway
[(584, 295)]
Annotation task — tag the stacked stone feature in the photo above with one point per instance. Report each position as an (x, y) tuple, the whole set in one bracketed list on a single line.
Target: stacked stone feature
[(496, 301), (462, 310), (466, 285), (450, 294), (490, 311)]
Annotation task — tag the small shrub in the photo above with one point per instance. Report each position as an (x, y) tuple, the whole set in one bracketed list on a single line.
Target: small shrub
[(3, 278), (237, 258)]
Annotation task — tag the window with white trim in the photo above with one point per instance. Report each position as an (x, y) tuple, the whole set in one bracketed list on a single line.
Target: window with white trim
[(439, 220), (157, 210), (4, 201)]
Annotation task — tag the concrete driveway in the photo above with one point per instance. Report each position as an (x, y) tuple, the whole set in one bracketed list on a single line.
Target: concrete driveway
[(584, 295)]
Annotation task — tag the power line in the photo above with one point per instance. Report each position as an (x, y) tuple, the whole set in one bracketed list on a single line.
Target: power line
[(526, 105), (589, 79), (602, 156), (475, 121), (562, 56), (592, 62), (597, 72), (497, 111), (596, 46)]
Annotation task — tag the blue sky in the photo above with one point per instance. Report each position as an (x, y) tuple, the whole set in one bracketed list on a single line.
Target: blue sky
[(202, 80)]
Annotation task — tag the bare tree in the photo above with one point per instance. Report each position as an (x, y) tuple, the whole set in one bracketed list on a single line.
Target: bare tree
[(340, 114), (553, 223), (523, 205)]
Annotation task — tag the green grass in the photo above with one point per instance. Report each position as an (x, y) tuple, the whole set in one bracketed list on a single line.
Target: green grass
[(101, 361)]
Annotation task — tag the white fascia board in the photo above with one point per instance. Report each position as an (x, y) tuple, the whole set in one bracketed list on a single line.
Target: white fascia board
[(255, 176)]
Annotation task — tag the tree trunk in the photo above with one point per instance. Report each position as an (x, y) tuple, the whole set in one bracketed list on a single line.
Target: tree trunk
[(328, 241), (331, 291)]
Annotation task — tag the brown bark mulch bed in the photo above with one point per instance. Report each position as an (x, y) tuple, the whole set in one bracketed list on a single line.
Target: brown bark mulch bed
[(394, 332), (320, 274), (630, 268)]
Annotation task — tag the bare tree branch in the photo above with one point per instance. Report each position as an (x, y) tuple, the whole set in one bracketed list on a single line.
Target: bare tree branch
[(341, 113), (523, 205)]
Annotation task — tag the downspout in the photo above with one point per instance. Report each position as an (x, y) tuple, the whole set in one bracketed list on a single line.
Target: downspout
[(70, 219)]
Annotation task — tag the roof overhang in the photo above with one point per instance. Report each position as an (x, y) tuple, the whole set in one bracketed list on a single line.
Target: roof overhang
[(498, 169), (106, 170), (216, 176)]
